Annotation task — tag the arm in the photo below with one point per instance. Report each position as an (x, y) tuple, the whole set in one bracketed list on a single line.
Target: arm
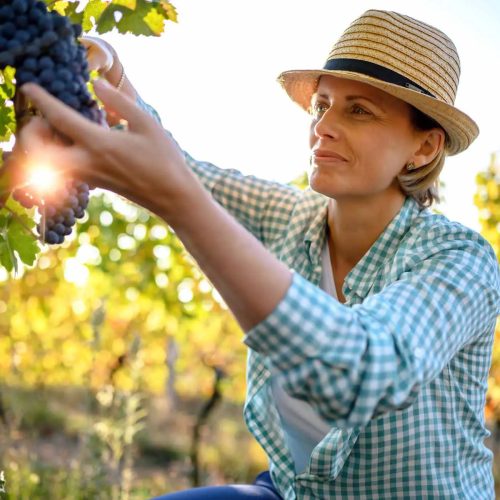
[(145, 165), (351, 363), (247, 198), (356, 363)]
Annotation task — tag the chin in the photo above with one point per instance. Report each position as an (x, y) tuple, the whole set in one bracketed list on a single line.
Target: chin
[(324, 186)]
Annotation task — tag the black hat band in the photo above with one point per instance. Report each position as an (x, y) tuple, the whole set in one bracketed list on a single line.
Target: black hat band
[(375, 71)]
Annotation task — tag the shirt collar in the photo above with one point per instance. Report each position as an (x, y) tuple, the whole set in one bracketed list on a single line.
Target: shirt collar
[(362, 277)]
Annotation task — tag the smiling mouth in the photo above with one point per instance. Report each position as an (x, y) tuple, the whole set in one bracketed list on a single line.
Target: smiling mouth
[(320, 155)]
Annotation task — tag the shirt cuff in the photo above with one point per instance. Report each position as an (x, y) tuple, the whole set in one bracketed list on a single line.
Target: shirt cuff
[(307, 324)]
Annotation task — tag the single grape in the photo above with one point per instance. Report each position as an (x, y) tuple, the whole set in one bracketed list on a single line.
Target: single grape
[(19, 6), (46, 62), (48, 38), (30, 64), (51, 237)]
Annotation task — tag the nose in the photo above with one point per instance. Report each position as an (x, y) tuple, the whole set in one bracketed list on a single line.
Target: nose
[(327, 125)]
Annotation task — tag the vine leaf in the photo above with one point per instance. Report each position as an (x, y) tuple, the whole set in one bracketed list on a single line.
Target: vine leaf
[(60, 6), (139, 17), (92, 14), (7, 123), (22, 242), (170, 10), (7, 91), (16, 240), (18, 243), (7, 86), (7, 257)]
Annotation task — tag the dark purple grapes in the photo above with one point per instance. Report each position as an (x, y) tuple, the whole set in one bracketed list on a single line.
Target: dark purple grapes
[(43, 47)]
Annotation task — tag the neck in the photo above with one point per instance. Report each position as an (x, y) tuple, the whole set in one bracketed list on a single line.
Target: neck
[(354, 224)]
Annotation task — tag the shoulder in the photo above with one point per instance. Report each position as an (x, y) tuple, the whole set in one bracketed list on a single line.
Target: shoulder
[(434, 236), (434, 231)]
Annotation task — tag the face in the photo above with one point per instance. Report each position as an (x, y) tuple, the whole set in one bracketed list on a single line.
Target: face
[(361, 138)]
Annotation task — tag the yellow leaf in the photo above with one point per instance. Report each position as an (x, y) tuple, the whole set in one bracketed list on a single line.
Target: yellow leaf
[(155, 22), (60, 7), (170, 10), (130, 4)]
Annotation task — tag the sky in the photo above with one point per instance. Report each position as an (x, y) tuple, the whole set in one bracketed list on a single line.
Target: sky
[(212, 77)]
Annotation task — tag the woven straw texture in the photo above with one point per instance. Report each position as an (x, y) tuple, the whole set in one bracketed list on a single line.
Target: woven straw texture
[(416, 51)]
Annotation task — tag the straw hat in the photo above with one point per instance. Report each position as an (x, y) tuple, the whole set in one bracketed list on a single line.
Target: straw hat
[(401, 56)]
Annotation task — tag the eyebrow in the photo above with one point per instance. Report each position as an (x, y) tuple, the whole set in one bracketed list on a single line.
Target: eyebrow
[(354, 97)]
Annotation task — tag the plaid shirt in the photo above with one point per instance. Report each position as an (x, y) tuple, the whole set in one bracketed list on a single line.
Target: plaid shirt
[(400, 370)]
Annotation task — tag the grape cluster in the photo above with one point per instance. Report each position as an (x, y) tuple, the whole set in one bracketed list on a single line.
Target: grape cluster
[(43, 47), (59, 213)]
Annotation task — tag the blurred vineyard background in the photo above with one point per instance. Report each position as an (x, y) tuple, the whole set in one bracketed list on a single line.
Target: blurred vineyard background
[(122, 370)]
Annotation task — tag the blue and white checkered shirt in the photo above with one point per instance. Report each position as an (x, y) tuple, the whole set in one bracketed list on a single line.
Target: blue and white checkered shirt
[(400, 370)]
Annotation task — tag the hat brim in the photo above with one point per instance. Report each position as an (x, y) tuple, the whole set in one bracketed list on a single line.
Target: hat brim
[(300, 85)]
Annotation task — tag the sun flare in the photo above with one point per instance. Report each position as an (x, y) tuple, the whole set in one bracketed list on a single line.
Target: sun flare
[(43, 178)]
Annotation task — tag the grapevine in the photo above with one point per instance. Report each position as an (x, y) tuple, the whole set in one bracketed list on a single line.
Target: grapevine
[(43, 47)]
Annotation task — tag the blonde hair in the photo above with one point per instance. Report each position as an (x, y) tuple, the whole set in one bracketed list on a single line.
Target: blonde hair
[(422, 183)]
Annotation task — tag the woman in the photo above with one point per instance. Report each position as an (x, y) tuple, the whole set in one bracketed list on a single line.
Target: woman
[(369, 318)]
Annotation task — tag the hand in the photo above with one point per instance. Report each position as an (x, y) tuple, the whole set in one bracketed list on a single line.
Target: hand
[(142, 164), (100, 54), (102, 57), (147, 167)]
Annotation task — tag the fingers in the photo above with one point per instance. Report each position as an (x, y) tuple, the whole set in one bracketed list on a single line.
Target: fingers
[(99, 56), (33, 135), (38, 145), (123, 106), (11, 176), (62, 118)]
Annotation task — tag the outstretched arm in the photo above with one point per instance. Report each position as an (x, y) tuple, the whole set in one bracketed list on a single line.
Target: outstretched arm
[(146, 166)]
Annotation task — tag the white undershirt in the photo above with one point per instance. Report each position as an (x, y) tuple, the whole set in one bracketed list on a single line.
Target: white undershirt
[(302, 426)]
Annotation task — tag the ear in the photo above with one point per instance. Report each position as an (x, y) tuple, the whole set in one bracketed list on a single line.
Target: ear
[(430, 143)]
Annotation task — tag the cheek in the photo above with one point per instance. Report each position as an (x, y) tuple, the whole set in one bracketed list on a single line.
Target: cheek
[(383, 152)]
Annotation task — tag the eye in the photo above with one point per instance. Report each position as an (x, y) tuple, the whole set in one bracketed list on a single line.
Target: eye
[(318, 109), (356, 109)]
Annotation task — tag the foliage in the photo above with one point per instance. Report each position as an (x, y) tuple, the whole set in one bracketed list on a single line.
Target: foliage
[(119, 309), (137, 17), (487, 199), (75, 314)]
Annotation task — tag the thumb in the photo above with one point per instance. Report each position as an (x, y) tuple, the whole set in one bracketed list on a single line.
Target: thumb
[(123, 106)]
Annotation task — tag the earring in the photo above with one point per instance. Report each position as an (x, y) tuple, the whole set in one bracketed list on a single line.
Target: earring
[(411, 166)]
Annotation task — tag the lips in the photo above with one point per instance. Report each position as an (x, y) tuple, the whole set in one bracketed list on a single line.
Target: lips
[(325, 154)]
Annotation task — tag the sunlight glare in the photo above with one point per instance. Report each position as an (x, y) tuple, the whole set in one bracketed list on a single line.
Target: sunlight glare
[(43, 178)]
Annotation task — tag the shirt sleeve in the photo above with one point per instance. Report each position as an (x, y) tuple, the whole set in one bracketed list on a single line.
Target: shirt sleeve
[(355, 363), (261, 206)]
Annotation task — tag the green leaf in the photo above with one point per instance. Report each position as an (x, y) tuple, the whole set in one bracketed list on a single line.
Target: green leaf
[(139, 17), (7, 82), (7, 123), (92, 13), (16, 238), (72, 14), (147, 19), (23, 243), (7, 258), (107, 19)]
